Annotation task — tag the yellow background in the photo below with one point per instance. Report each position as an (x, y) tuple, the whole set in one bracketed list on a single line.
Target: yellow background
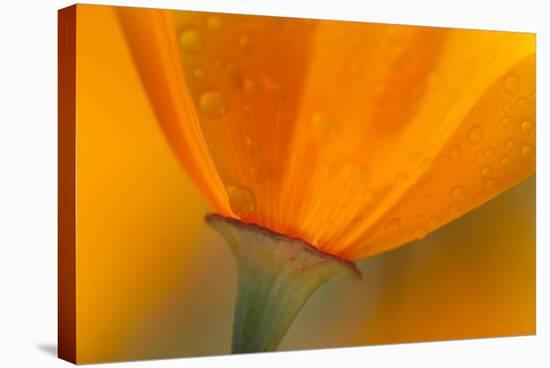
[(153, 281)]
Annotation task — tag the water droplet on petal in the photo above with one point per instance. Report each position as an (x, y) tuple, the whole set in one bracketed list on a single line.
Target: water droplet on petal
[(528, 127), (241, 200), (191, 41), (212, 105), (458, 194), (506, 122), (424, 164), (505, 161), (522, 103), (475, 134), (528, 153), (489, 184), (510, 145), (244, 42), (214, 23), (272, 85), (253, 146), (251, 87), (486, 171), (455, 153), (511, 84), (198, 73)]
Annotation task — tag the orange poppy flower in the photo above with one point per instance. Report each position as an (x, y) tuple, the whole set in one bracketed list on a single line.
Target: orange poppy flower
[(354, 138)]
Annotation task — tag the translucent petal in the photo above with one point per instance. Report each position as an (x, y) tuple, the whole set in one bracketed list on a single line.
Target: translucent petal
[(354, 137)]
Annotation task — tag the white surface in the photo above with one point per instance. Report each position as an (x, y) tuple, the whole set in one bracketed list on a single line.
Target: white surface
[(28, 184)]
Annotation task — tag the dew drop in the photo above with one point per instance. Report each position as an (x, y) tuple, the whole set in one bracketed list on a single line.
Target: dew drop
[(253, 146), (212, 105), (455, 153), (191, 41), (490, 184), (271, 85), (510, 144), (251, 87), (506, 122), (528, 153), (505, 161), (424, 164), (198, 73), (393, 225), (244, 42), (522, 103), (241, 200), (215, 23), (486, 171), (528, 127), (475, 134), (458, 194), (511, 84)]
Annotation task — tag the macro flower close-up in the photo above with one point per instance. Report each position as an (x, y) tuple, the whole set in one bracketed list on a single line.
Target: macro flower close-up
[(234, 183), (319, 143)]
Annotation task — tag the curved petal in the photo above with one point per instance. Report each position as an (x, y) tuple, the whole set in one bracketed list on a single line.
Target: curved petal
[(357, 72), (381, 102), (354, 137), (245, 80), (151, 41), (239, 80), (492, 150)]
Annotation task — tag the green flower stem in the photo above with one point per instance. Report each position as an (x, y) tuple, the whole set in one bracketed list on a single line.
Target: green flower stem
[(277, 274)]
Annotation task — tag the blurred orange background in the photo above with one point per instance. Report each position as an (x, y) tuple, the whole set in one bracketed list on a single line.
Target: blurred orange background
[(153, 281)]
